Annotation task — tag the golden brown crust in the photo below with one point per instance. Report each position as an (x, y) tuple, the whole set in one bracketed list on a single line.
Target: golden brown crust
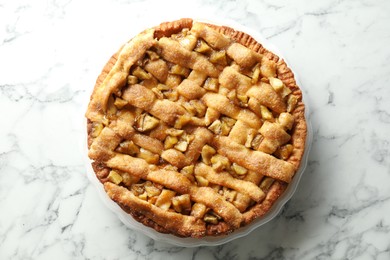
[(261, 209), (180, 224), (109, 82), (169, 28)]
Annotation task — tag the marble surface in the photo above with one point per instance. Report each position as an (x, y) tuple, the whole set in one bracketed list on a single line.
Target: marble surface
[(50, 54)]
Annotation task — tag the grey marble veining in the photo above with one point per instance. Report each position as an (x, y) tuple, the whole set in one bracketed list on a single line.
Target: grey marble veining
[(50, 55)]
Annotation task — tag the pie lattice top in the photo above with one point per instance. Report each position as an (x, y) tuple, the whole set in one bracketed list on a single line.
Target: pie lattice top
[(195, 129)]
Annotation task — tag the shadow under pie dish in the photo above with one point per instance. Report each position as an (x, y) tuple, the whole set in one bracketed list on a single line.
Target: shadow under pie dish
[(196, 129)]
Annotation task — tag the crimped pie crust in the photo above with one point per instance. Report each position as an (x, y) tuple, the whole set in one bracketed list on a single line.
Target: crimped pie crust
[(109, 126)]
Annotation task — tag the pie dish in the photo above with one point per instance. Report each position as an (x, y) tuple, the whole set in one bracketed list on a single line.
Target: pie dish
[(195, 129)]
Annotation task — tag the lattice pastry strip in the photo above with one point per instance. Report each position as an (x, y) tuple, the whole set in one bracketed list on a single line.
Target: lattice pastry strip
[(256, 161), (226, 180)]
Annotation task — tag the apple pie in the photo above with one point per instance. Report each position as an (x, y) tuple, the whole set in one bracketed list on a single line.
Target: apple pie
[(195, 129)]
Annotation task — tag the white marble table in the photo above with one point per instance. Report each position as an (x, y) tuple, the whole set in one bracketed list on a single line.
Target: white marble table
[(52, 51)]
